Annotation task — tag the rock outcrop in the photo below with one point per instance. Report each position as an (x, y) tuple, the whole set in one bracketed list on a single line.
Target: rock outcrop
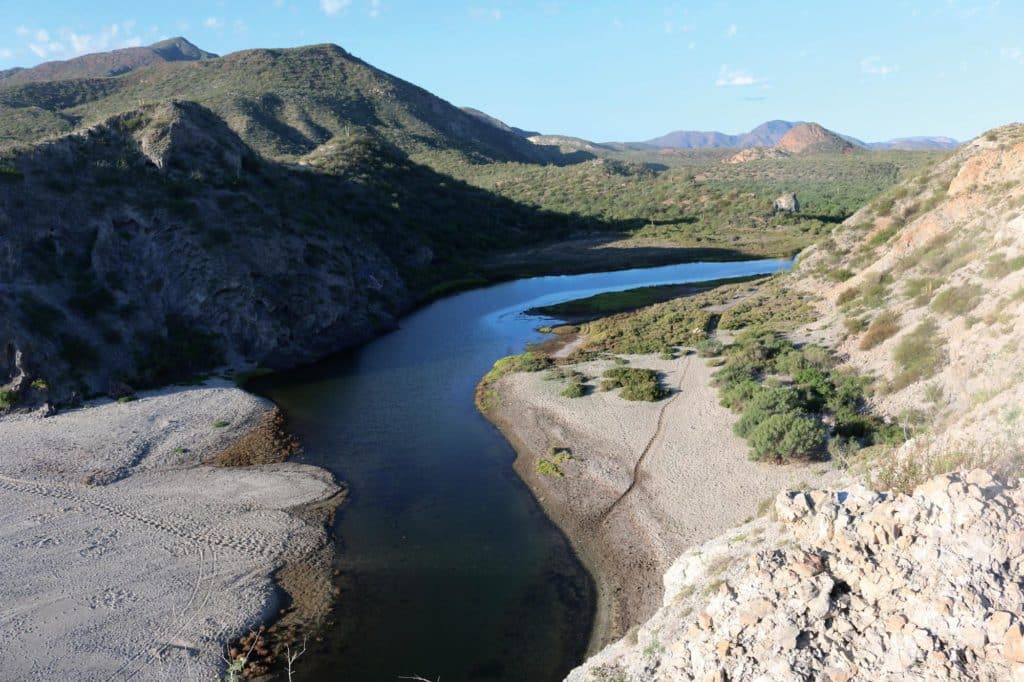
[(787, 203), (842, 586)]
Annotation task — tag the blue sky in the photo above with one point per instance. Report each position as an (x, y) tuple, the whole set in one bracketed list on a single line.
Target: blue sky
[(607, 70)]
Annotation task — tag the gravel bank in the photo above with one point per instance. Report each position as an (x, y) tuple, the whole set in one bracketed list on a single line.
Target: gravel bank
[(124, 556)]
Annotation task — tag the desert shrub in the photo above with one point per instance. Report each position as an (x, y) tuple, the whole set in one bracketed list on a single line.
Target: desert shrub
[(709, 347), (883, 327), (959, 300), (1000, 266), (786, 436), (846, 296), (575, 390), (765, 402), (883, 235), (839, 274), (855, 325), (921, 289), (552, 464), (636, 383), (7, 399), (530, 361), (918, 355)]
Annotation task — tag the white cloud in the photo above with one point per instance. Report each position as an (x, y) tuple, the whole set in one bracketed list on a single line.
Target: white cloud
[(485, 13), (728, 76), (6, 53), (240, 26), (1012, 54), (215, 23), (874, 66), (68, 43), (334, 7), (374, 9), (671, 27), (731, 30)]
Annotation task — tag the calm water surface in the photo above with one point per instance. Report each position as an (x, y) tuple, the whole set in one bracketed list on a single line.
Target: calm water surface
[(448, 567)]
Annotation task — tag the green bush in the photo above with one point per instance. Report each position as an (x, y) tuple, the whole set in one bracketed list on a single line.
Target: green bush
[(636, 383), (1001, 266), (7, 399), (787, 436), (767, 401), (575, 390), (708, 348)]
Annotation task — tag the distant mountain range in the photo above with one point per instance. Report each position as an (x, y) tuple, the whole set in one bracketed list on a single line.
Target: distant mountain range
[(104, 64), (770, 133)]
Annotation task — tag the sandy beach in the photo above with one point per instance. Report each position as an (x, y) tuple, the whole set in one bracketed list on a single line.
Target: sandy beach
[(124, 556), (647, 480)]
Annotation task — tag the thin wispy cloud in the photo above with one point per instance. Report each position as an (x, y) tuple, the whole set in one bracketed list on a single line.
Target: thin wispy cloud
[(730, 77), (374, 9), (334, 7), (678, 27), (485, 13), (66, 43), (214, 23), (6, 53), (1012, 54), (731, 30), (873, 65)]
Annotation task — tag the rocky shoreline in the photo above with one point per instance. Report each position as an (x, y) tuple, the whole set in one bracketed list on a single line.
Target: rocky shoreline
[(129, 550)]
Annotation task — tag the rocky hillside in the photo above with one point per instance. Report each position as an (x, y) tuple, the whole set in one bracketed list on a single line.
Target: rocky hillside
[(102, 64), (158, 243), (923, 289), (846, 585), (802, 139), (811, 138), (283, 103)]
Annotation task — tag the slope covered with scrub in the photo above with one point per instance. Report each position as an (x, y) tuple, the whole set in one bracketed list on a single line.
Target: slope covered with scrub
[(923, 289), (921, 293)]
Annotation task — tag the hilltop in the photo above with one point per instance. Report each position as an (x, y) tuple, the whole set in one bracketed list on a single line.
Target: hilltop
[(103, 64), (801, 139), (282, 103), (769, 133)]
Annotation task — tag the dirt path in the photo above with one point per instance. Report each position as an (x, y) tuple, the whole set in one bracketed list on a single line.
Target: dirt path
[(659, 431)]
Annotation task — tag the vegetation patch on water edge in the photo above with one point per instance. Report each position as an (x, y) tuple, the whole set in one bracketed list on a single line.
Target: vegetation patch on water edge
[(530, 361), (612, 302)]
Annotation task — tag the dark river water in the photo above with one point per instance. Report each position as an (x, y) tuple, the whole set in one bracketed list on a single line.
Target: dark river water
[(448, 567)]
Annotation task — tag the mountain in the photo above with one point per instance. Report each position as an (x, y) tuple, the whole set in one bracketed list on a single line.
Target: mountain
[(284, 103), (801, 139), (263, 208), (764, 135), (916, 143), (770, 133), (812, 138), (498, 123), (104, 64)]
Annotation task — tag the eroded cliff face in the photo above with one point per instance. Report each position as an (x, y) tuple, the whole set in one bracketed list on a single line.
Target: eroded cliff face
[(158, 244), (845, 585), (930, 303)]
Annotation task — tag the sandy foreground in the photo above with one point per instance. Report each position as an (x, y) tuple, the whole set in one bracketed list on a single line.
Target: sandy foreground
[(647, 480), (123, 557)]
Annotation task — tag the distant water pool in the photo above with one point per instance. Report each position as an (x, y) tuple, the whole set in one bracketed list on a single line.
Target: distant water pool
[(448, 567)]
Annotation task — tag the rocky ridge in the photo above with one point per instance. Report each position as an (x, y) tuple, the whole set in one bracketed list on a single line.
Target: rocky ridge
[(842, 585)]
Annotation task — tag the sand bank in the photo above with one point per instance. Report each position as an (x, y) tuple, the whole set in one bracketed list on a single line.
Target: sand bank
[(123, 556), (647, 480)]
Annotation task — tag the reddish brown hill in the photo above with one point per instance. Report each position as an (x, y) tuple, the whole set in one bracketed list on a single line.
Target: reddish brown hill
[(811, 138)]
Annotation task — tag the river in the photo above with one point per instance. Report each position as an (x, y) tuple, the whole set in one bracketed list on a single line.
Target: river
[(448, 567)]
